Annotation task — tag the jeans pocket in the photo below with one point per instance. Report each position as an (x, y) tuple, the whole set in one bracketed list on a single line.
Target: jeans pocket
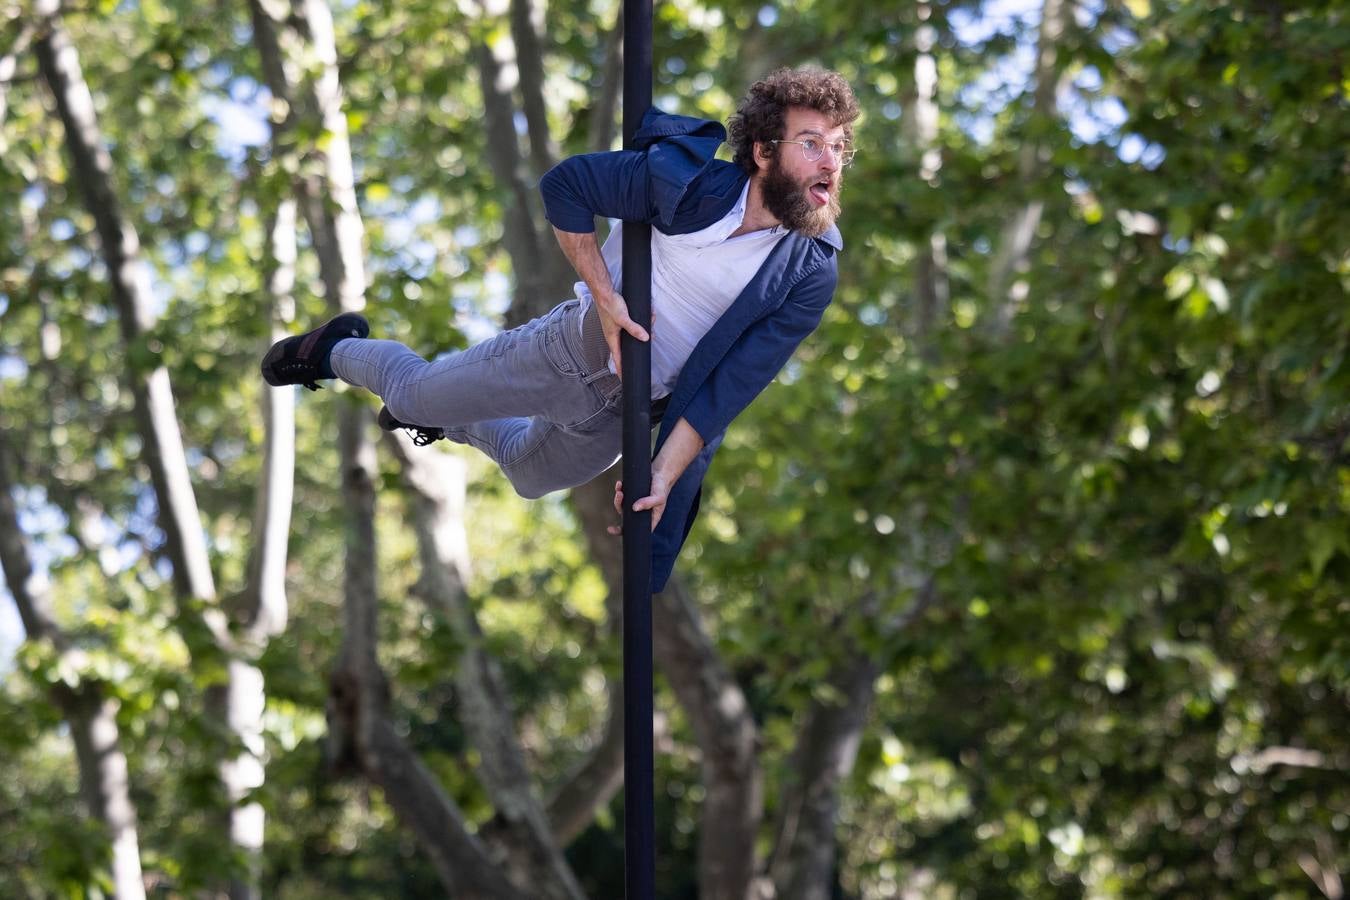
[(556, 351)]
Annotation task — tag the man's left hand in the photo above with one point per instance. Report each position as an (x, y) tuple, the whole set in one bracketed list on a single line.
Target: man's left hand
[(655, 501)]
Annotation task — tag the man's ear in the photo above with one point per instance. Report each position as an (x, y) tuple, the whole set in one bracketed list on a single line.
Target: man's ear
[(763, 154)]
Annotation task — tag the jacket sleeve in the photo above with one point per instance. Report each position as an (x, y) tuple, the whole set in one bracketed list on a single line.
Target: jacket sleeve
[(612, 184), (759, 354)]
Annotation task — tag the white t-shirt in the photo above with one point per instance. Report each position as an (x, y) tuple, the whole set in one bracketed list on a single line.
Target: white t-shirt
[(695, 279)]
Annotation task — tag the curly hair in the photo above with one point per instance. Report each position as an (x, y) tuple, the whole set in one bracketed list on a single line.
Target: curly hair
[(763, 113)]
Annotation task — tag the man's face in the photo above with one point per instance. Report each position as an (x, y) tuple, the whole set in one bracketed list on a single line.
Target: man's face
[(801, 193)]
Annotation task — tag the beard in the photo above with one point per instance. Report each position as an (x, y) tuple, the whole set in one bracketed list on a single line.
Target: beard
[(790, 202)]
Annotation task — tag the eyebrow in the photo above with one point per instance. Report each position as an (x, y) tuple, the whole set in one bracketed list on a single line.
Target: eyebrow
[(817, 134)]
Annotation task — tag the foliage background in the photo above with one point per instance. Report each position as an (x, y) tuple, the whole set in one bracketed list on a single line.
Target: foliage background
[(1106, 492)]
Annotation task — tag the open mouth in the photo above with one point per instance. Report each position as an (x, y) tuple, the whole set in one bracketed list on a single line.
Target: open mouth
[(820, 192)]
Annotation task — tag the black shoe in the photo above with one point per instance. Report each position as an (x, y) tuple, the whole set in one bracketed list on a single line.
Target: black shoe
[(303, 359), (421, 434)]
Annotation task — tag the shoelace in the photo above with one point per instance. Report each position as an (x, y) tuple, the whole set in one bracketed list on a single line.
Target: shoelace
[(288, 366), (422, 436)]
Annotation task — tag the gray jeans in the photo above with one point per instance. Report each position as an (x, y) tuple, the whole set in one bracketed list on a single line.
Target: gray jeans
[(539, 399)]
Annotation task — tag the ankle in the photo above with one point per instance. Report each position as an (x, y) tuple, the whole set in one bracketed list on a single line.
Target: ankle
[(326, 364)]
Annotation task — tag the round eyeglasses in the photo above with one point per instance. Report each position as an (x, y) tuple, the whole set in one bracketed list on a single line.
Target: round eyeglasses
[(813, 150)]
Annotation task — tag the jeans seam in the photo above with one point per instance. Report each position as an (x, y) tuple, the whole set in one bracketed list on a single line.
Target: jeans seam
[(606, 406)]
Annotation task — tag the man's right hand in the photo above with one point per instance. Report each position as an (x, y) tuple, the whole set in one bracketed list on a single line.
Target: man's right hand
[(614, 320)]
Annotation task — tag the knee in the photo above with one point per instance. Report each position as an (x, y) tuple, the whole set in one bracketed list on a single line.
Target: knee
[(530, 483), (529, 488), (400, 406), (406, 402)]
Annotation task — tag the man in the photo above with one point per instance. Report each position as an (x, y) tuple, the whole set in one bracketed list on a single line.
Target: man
[(743, 266)]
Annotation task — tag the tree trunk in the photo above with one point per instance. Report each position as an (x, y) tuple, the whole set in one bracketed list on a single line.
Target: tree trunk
[(920, 129), (595, 781), (131, 290), (91, 715), (437, 483), (804, 856), (129, 276), (727, 735), (543, 275), (526, 19), (260, 613), (362, 739), (604, 113), (329, 194), (714, 703)]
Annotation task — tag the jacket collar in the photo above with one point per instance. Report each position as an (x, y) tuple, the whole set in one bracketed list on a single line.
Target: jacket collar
[(833, 238)]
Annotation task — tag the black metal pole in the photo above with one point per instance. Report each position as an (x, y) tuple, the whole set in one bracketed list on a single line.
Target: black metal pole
[(638, 777)]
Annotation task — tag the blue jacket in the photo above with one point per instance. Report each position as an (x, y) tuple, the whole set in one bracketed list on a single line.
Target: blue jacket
[(673, 182)]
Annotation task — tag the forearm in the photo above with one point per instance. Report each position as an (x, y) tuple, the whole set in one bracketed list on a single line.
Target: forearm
[(677, 452), (583, 252)]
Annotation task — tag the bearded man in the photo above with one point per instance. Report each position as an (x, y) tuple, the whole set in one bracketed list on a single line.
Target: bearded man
[(743, 266)]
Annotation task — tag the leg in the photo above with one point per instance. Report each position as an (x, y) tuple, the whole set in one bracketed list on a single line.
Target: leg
[(539, 456), (533, 370)]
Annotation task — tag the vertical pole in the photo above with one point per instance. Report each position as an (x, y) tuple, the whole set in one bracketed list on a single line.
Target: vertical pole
[(638, 777)]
